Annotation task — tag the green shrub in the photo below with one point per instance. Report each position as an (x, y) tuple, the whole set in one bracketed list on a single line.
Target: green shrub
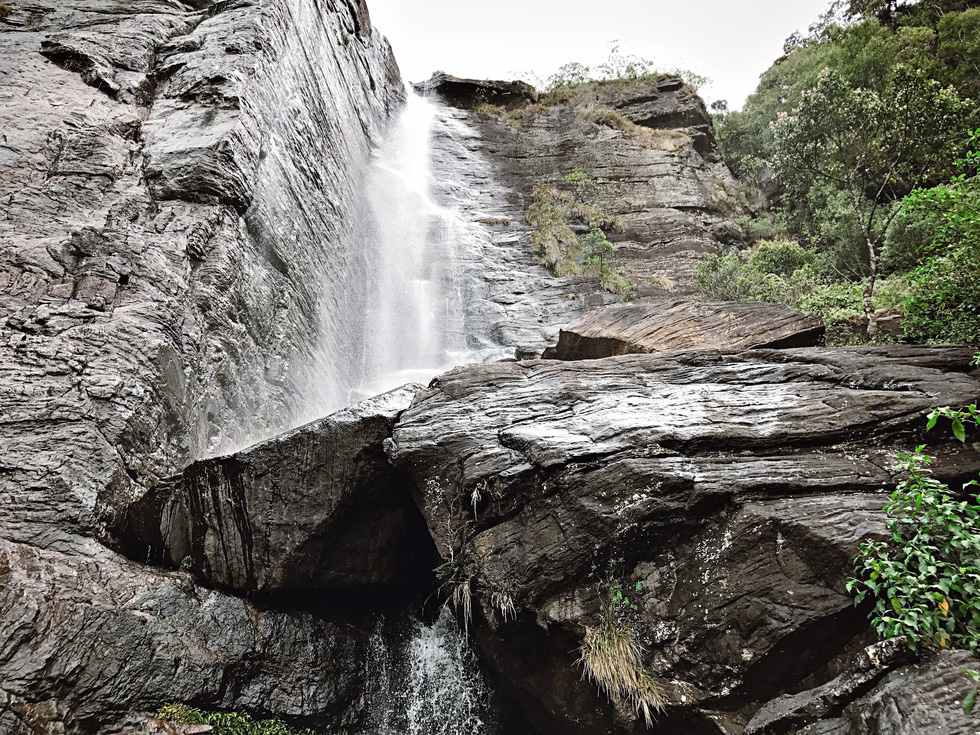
[(925, 582), (781, 257), (945, 302), (226, 723)]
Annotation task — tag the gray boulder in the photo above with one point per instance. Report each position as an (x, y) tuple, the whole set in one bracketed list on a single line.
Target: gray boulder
[(664, 326), (726, 492), (318, 508)]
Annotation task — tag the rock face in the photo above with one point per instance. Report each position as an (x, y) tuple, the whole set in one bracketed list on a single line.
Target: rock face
[(89, 638), (662, 326), (469, 93), (317, 509), (172, 177), (735, 489), (661, 178)]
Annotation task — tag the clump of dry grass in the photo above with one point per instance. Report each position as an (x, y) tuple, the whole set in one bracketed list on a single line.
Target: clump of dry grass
[(613, 660), (485, 108), (657, 138), (602, 115), (667, 284)]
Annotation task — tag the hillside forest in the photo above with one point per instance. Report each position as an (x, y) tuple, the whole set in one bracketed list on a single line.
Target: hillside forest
[(859, 153)]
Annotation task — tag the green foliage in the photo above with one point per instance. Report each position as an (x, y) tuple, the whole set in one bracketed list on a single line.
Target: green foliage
[(187, 563), (873, 103), (925, 582), (786, 273), (777, 271), (553, 213), (596, 249), (945, 304), (226, 723), (959, 418), (970, 700)]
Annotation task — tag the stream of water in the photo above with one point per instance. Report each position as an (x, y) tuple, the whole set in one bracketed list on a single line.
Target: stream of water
[(417, 248)]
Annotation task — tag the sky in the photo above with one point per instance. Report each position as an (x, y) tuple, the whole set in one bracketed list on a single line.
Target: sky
[(730, 41)]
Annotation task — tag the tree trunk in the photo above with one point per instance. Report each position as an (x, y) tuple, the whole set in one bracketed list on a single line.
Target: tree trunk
[(869, 292)]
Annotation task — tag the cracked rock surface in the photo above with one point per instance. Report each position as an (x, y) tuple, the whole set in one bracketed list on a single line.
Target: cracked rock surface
[(735, 488), (171, 177)]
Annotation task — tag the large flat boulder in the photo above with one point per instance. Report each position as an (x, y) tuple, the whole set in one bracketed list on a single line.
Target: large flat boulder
[(727, 493), (680, 324), (318, 508)]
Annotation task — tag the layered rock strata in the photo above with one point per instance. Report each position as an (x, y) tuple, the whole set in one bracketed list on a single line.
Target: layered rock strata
[(729, 490), (172, 176), (648, 148), (663, 326)]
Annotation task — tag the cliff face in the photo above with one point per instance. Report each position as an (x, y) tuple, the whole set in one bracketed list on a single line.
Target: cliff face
[(647, 147), (172, 177)]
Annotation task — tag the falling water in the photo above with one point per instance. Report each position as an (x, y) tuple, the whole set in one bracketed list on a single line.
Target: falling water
[(421, 253), (424, 680)]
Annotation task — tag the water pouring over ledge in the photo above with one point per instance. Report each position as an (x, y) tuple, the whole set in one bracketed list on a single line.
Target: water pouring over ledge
[(420, 252)]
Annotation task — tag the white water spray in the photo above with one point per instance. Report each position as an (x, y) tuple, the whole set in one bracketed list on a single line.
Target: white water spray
[(428, 683), (418, 259)]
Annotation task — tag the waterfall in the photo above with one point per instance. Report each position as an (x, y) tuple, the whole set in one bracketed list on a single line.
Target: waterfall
[(424, 680), (420, 250)]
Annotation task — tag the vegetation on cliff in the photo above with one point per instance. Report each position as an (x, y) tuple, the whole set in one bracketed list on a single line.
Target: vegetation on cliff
[(857, 144)]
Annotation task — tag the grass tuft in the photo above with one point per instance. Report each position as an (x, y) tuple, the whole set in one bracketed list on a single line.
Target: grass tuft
[(613, 660)]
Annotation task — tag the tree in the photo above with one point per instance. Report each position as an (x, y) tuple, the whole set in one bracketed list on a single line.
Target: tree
[(945, 304), (873, 147), (596, 248)]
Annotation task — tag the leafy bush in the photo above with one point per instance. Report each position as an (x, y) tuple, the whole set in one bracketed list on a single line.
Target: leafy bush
[(777, 271), (226, 723), (945, 303), (781, 271), (925, 582), (781, 257)]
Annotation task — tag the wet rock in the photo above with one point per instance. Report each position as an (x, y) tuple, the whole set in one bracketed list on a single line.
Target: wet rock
[(728, 493), (795, 711), (316, 509), (917, 699), (469, 93), (159, 302), (672, 198), (662, 326), (89, 637)]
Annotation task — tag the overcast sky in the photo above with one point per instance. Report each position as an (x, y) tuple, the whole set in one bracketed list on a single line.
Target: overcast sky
[(730, 41)]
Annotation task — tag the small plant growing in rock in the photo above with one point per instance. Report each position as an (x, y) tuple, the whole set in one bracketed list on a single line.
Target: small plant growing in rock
[(926, 581), (610, 654), (597, 248), (488, 109), (226, 723)]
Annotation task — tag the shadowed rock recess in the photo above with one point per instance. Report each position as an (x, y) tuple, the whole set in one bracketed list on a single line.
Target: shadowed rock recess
[(173, 178)]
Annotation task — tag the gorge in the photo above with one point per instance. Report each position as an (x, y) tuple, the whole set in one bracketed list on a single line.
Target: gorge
[(277, 436)]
